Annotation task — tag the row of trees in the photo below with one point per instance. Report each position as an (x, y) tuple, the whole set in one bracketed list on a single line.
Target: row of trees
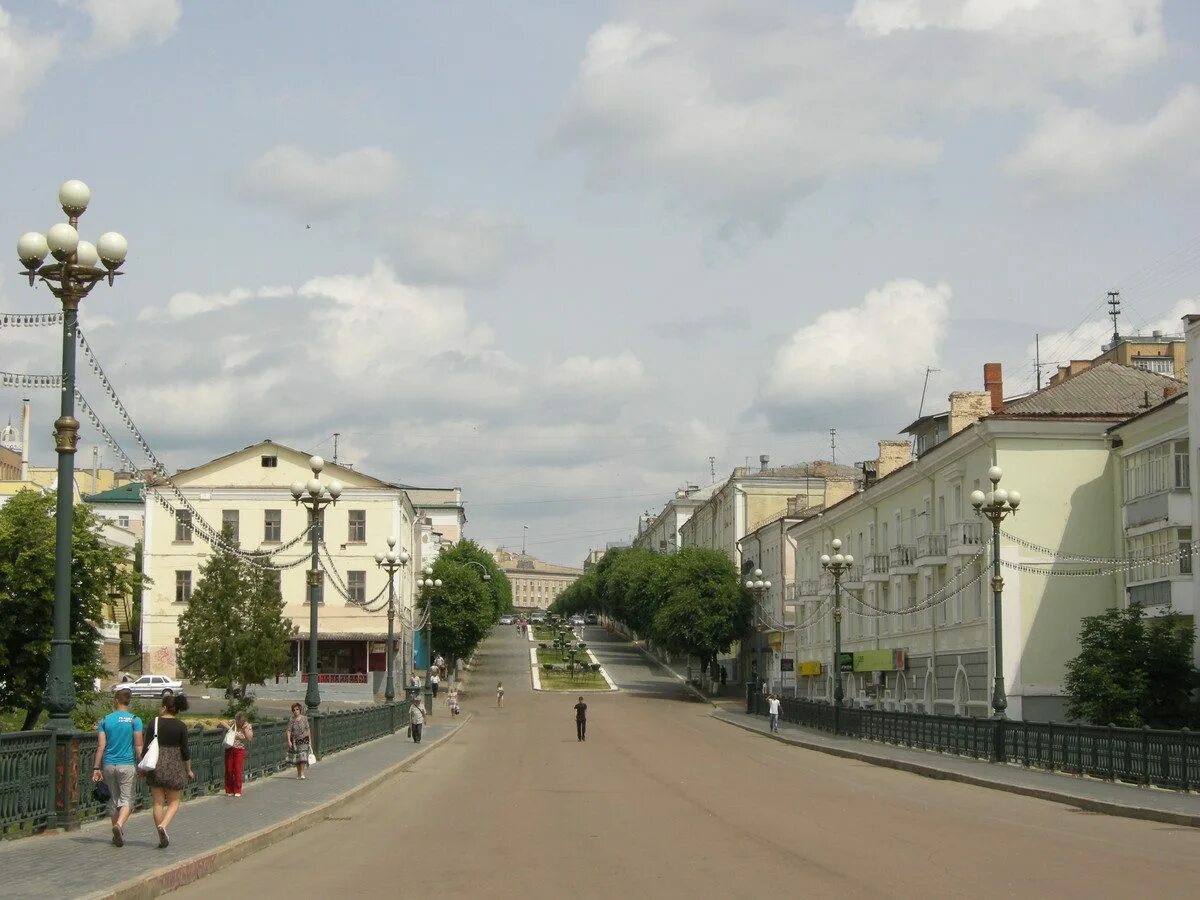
[(691, 602), (466, 606)]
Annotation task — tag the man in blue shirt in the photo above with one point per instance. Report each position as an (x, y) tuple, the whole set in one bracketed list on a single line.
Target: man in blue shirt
[(118, 748)]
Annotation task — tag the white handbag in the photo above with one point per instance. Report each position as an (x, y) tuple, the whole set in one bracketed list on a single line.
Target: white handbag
[(149, 759), (312, 758), (230, 737)]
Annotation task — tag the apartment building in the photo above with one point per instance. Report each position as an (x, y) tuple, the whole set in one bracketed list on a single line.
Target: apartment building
[(918, 617), (663, 533), (535, 584)]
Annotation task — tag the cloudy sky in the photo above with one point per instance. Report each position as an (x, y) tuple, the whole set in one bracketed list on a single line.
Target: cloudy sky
[(561, 253)]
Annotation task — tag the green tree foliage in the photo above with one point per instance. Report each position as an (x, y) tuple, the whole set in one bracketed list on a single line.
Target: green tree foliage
[(462, 609), (689, 602), (467, 551), (99, 571), (1132, 670), (233, 633)]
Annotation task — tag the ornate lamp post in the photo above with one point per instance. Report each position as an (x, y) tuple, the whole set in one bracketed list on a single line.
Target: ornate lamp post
[(759, 588), (428, 581), (838, 566), (391, 562), (314, 496), (995, 506), (70, 279)]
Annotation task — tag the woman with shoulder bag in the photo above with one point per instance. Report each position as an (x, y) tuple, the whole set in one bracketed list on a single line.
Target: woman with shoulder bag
[(299, 740), (167, 763), (239, 733)]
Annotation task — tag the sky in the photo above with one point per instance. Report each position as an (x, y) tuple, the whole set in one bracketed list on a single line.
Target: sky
[(560, 254)]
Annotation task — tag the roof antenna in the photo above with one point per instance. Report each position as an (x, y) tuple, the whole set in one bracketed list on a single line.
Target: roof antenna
[(833, 446), (921, 406), (1114, 310), (1037, 359), (336, 435), (712, 468)]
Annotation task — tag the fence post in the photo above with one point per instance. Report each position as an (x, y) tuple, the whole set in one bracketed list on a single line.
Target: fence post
[(749, 698), (998, 753), (1146, 754), (314, 730), (1187, 742), (65, 757)]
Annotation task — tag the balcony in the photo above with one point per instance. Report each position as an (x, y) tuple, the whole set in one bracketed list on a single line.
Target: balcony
[(931, 548), (854, 575), (875, 567), (808, 587), (1165, 596), (965, 538), (902, 559)]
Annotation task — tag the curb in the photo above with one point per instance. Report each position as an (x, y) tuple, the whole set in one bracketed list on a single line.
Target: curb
[(1191, 820), (680, 678), (184, 872)]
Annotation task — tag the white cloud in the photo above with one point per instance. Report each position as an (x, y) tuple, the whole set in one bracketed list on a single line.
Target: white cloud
[(599, 374), (854, 361), (448, 248), (1076, 152), (737, 114), (297, 180), (24, 59), (186, 304), (118, 25)]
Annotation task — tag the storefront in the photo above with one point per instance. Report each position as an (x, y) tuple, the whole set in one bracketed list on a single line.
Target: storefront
[(345, 659)]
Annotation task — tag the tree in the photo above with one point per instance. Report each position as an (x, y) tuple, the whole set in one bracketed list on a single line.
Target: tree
[(98, 570), (1132, 671), (462, 610), (466, 552), (705, 608), (233, 633)]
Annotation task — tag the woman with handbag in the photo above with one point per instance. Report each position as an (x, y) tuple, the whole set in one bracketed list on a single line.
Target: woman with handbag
[(299, 741), (167, 763), (238, 734)]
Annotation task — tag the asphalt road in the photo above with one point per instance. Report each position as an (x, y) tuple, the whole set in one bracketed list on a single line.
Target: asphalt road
[(663, 801)]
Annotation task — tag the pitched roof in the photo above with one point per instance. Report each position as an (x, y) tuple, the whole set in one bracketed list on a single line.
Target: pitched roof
[(1104, 391), (126, 493)]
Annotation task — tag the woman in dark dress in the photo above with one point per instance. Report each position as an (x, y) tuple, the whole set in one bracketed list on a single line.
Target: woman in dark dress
[(174, 768)]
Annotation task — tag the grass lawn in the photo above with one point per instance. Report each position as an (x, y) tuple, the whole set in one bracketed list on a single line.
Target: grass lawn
[(544, 633), (563, 681)]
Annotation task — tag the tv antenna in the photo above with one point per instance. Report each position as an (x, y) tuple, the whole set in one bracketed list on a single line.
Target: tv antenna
[(1114, 310)]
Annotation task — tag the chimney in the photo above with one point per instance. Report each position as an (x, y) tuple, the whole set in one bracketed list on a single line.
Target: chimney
[(763, 461), (839, 488), (993, 383), (25, 439), (967, 408), (892, 455), (1170, 391)]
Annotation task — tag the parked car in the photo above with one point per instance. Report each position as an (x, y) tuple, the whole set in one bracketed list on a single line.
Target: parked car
[(593, 619), (150, 686), (504, 620), (576, 620), (538, 617)]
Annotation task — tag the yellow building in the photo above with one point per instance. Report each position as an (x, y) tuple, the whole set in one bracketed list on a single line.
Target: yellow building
[(535, 584), (248, 492)]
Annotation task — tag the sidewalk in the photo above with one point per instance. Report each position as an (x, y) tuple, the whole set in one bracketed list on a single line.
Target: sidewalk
[(1092, 794), (208, 833)]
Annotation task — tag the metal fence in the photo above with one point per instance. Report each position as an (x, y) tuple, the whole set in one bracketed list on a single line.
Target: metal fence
[(30, 793), (1169, 759)]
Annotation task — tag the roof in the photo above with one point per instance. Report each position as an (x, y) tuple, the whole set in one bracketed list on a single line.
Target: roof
[(1145, 412), (348, 474), (126, 493), (917, 423), (1104, 391)]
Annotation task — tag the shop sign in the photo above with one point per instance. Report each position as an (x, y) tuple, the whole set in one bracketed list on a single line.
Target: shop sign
[(810, 667), (787, 664), (878, 661)]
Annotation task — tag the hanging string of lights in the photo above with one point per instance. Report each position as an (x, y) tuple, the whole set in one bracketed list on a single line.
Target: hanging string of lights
[(928, 603), (21, 380), (1073, 557), (814, 617), (30, 320)]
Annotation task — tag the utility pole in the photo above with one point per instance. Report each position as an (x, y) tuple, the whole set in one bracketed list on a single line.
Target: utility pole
[(1037, 359), (524, 532), (833, 446), (336, 435), (712, 468), (1114, 310)]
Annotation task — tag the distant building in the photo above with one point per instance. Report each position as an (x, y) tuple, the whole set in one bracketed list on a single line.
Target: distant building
[(535, 584), (1165, 354), (593, 557), (663, 533), (124, 506)]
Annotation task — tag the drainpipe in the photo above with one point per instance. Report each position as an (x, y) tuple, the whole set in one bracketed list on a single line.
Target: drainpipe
[(25, 440)]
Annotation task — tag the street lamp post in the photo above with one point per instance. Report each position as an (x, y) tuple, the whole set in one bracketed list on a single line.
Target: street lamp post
[(838, 566), (428, 581), (391, 562), (995, 506), (759, 588), (314, 496), (70, 279)]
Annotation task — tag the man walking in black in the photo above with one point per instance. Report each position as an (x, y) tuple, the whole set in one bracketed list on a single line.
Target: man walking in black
[(581, 720)]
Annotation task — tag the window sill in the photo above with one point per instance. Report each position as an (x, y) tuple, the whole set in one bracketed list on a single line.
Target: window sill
[(182, 543), (267, 543)]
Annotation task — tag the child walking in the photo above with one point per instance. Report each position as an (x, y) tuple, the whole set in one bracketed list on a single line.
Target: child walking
[(499, 693)]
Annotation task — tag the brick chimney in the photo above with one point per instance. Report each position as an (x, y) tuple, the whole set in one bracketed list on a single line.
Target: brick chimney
[(838, 489), (967, 408), (892, 455), (993, 383)]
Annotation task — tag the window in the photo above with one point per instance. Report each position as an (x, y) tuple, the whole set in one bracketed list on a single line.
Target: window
[(229, 524), (1156, 544), (183, 526), (1182, 474), (270, 462), (273, 525), (356, 582), (358, 526), (183, 586), (276, 575), (123, 521), (1185, 550), (1160, 364), (1156, 469), (976, 574)]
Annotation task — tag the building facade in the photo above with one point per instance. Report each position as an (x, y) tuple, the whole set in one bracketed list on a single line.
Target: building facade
[(535, 584), (663, 533), (247, 492), (123, 506)]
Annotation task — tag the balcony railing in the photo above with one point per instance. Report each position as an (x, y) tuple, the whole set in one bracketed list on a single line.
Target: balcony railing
[(854, 574), (931, 545), (966, 534), (902, 555), (809, 587), (876, 564)]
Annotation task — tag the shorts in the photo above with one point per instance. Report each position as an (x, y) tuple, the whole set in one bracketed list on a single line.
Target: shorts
[(120, 786)]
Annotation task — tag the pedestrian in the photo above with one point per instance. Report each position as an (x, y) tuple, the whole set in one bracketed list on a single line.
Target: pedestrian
[(173, 770), (416, 721), (118, 748), (499, 693), (581, 720), (773, 711), (452, 697), (299, 740), (441, 664), (235, 752), (414, 681), (434, 679)]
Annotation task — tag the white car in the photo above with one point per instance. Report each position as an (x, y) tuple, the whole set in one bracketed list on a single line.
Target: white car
[(504, 620), (150, 686), (576, 620)]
